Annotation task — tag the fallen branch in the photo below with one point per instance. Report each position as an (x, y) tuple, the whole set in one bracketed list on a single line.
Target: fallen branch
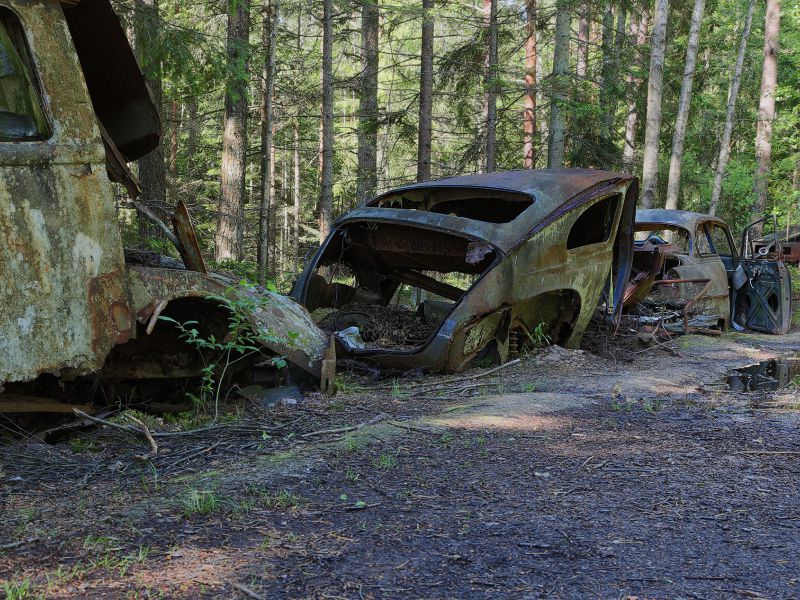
[(148, 435), (18, 543), (248, 592), (141, 430), (372, 421), (398, 424), (510, 363)]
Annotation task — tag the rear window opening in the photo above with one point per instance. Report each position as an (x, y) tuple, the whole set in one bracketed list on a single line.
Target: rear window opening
[(486, 205), (391, 287)]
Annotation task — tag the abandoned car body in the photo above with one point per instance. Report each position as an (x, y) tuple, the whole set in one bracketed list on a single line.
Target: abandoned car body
[(74, 110), (689, 260), (481, 264)]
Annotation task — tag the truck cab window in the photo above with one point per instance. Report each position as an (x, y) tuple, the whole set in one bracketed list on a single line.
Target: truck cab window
[(21, 114)]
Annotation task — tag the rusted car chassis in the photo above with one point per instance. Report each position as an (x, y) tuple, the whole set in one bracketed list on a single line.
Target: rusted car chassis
[(486, 264), (76, 314)]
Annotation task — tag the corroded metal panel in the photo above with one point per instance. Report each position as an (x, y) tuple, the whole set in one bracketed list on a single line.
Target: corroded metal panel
[(61, 265), (291, 331)]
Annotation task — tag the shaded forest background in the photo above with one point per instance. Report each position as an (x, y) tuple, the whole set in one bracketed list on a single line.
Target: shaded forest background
[(280, 116)]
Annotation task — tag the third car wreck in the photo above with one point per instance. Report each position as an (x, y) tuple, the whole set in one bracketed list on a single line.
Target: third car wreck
[(688, 262), (440, 274)]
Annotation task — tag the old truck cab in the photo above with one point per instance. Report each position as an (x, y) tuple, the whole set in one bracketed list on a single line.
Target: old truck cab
[(74, 110)]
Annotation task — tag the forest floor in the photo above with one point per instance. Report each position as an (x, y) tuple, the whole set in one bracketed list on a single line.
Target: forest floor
[(565, 475)]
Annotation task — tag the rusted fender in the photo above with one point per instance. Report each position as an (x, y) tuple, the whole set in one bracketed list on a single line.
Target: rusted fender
[(291, 329)]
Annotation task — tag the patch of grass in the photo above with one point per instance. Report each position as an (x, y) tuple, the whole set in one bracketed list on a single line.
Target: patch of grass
[(199, 502), (347, 384), (81, 445), (285, 499), (98, 543), (19, 590), (353, 443), (527, 388), (386, 461), (445, 440), (398, 393), (652, 406), (352, 475)]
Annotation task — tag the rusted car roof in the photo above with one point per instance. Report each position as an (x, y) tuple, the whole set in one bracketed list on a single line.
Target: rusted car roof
[(550, 190), (682, 218)]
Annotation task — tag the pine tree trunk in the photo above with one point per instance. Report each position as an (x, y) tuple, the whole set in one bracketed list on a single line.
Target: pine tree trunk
[(529, 115), (326, 139), (228, 239), (152, 168), (639, 36), (367, 176), (766, 109), (490, 86), (655, 86), (616, 70), (555, 150), (583, 41), (266, 208), (725, 144), (424, 143), (607, 65), (682, 118)]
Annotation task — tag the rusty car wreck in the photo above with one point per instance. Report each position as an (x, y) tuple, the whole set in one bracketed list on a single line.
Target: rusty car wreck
[(77, 315), (482, 265), (689, 261)]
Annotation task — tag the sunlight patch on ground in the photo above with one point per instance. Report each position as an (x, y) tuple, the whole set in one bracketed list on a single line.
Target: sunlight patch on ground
[(518, 412)]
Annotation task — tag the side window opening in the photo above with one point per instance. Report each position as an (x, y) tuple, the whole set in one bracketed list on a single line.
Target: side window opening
[(21, 114), (594, 225)]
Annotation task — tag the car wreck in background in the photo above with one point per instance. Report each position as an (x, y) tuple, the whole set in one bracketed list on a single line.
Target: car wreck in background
[(441, 274), (688, 262), (788, 244), (80, 318)]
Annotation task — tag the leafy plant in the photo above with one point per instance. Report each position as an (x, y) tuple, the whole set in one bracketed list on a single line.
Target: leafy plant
[(241, 342)]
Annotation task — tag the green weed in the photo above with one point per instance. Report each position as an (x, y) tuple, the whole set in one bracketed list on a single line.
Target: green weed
[(199, 502)]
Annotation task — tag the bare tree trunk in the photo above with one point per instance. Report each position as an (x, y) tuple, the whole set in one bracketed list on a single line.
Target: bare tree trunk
[(555, 150), (639, 35), (152, 170), (583, 40), (424, 141), (228, 239), (191, 138), (607, 65), (529, 115), (766, 108), (682, 119), (267, 200), (655, 86), (490, 87), (296, 191), (725, 144), (174, 135), (367, 176), (326, 141)]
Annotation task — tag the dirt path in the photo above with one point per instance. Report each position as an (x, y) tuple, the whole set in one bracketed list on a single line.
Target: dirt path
[(564, 476)]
